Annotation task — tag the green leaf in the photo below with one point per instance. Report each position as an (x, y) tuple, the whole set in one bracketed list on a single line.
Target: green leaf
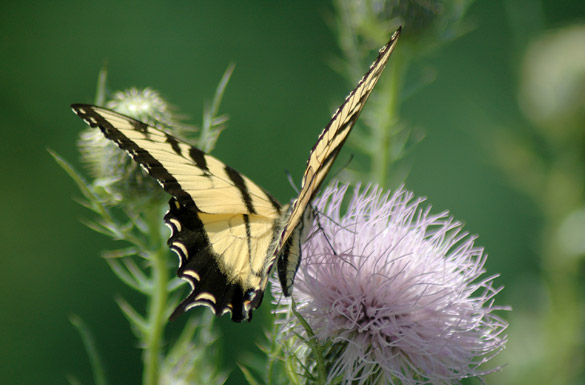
[(73, 380), (312, 342), (251, 380), (77, 178), (100, 94), (213, 124), (140, 326), (136, 280), (91, 349)]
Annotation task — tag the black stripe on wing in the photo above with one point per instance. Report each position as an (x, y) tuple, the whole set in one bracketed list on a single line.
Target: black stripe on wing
[(198, 157), (114, 125), (200, 266), (139, 154), (240, 183), (174, 144)]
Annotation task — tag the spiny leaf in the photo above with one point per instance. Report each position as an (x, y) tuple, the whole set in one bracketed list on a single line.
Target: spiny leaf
[(138, 322), (97, 367), (251, 380)]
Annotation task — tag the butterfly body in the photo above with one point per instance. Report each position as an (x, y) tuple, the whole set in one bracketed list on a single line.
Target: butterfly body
[(227, 231)]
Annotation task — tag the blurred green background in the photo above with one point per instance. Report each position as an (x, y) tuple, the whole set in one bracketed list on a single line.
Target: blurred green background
[(281, 94)]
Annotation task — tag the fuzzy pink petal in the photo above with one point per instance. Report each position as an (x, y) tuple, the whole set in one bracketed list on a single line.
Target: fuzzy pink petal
[(400, 292)]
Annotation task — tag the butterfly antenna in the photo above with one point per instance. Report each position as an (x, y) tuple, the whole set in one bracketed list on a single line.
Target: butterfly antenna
[(292, 182), (346, 165), (279, 299), (315, 212), (339, 170), (320, 228)]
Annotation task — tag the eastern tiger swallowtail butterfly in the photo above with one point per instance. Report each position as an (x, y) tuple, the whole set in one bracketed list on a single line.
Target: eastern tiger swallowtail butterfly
[(227, 231)]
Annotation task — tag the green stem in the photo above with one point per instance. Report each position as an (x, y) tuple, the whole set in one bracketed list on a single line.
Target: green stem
[(99, 376), (156, 315), (386, 119)]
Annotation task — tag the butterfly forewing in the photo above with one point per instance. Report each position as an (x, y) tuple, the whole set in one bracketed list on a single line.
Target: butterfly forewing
[(333, 136), (184, 171)]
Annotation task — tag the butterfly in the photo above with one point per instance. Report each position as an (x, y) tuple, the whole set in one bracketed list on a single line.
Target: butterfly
[(227, 231)]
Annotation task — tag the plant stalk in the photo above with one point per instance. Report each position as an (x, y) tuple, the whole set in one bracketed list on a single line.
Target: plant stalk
[(156, 315), (386, 115)]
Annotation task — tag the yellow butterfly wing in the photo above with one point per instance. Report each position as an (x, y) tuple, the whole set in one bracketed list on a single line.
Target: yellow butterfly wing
[(224, 227), (324, 153)]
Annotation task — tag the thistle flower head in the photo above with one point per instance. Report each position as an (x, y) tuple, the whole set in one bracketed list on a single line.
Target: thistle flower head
[(415, 14), (391, 292), (435, 20), (145, 105), (115, 174)]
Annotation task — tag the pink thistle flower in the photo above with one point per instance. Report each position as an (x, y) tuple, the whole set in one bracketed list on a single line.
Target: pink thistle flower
[(392, 293)]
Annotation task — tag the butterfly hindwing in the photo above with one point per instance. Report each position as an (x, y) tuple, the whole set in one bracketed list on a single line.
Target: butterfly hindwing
[(206, 245), (226, 230)]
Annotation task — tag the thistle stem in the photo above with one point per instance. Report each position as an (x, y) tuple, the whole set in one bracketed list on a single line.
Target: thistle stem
[(386, 120), (156, 316)]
